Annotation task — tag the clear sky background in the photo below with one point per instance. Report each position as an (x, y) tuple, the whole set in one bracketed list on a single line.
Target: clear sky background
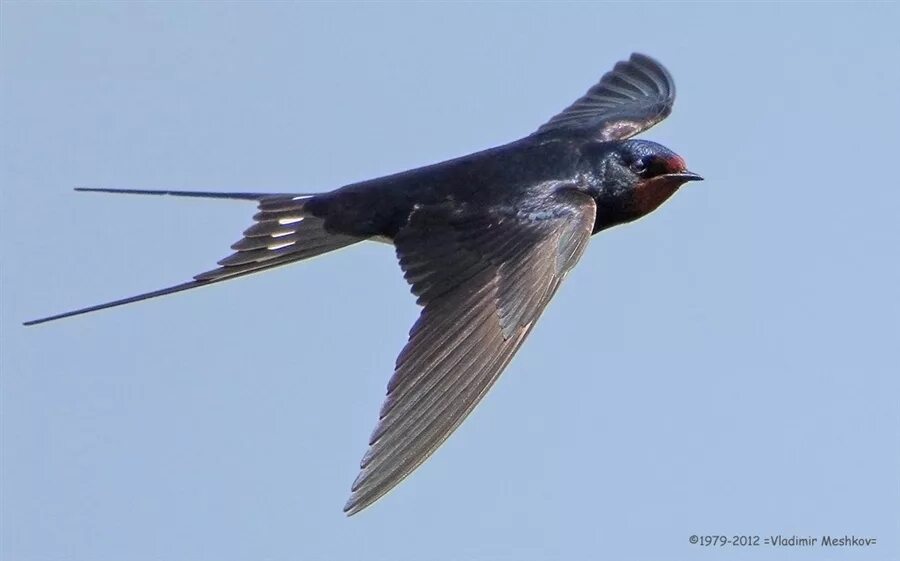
[(728, 365)]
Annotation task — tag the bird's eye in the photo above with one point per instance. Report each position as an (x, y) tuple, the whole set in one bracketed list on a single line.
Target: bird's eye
[(640, 166)]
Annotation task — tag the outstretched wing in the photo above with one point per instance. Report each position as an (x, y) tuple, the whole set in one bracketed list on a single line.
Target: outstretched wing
[(483, 278), (635, 95)]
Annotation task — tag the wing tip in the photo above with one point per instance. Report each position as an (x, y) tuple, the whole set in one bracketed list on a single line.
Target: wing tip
[(364, 494), (639, 91), (647, 61), (358, 503), (641, 57), (351, 507)]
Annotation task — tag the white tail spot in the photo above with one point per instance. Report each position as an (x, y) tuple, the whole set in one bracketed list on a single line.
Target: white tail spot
[(289, 220), (281, 234), (279, 245), (301, 197)]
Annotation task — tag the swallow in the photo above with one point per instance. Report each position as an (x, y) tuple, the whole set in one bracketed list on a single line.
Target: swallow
[(484, 241)]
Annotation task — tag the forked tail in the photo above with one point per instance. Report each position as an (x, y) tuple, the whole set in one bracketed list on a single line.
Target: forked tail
[(283, 232)]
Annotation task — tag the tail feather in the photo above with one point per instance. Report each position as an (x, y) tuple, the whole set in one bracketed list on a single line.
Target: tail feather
[(201, 194), (284, 232), (147, 295)]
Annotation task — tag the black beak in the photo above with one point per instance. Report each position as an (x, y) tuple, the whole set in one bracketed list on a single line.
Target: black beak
[(685, 176)]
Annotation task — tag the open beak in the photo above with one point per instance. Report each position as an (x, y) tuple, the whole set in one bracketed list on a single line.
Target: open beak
[(685, 176)]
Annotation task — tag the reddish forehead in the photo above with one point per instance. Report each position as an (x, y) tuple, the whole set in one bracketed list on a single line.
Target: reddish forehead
[(674, 163)]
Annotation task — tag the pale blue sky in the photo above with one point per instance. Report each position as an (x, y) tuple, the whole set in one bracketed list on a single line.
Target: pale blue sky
[(728, 365)]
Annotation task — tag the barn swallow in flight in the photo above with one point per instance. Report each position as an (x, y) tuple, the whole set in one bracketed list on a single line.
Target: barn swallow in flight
[(484, 241)]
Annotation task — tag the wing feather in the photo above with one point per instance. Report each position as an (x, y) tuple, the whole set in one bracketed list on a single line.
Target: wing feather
[(483, 280), (635, 95)]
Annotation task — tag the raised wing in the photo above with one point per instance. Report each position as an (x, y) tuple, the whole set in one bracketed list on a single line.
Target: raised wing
[(635, 95), (483, 277)]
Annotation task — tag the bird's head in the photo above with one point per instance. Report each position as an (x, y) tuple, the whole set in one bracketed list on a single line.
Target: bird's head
[(632, 178)]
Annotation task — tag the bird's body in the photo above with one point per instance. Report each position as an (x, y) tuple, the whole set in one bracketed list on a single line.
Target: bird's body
[(505, 176), (484, 240)]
